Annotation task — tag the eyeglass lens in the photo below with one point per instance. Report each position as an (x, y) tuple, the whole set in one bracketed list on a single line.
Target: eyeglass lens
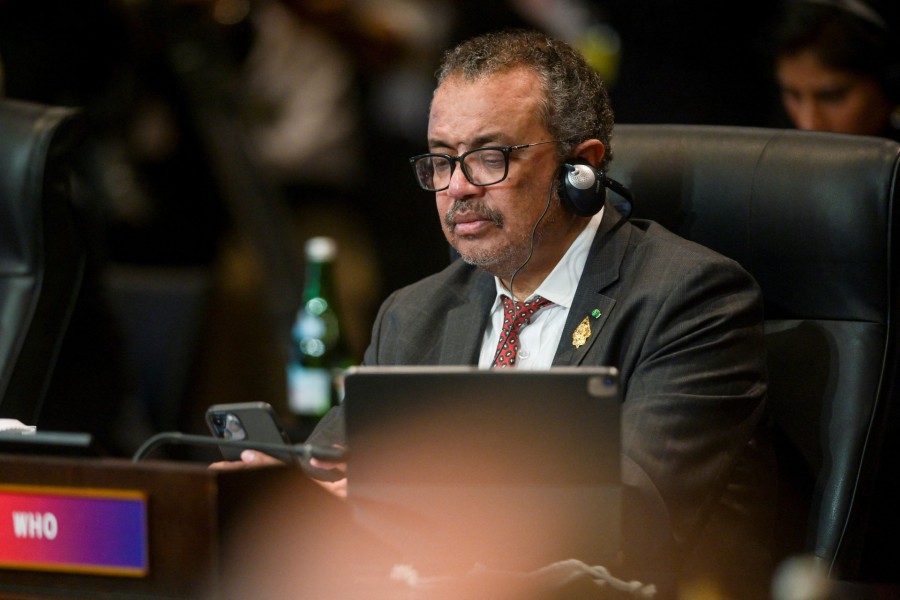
[(484, 166)]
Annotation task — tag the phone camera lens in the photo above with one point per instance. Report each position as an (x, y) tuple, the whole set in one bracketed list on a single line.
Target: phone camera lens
[(233, 429)]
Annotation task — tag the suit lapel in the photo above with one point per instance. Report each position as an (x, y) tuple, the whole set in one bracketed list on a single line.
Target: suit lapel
[(464, 325), (591, 308)]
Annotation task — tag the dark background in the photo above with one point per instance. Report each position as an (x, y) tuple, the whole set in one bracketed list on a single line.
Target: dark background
[(198, 249)]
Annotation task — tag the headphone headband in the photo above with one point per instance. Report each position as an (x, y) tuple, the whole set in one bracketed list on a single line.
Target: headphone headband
[(858, 9)]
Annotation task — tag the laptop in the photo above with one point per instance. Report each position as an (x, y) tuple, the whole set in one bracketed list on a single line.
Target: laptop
[(508, 469), (50, 443)]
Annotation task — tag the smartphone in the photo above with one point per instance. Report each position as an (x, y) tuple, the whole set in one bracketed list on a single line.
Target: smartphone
[(248, 422)]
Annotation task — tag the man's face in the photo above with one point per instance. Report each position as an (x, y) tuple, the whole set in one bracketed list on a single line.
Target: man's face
[(491, 226), (821, 99)]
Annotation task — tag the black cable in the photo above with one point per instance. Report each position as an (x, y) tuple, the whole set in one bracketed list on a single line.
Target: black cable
[(306, 451), (626, 207), (533, 232)]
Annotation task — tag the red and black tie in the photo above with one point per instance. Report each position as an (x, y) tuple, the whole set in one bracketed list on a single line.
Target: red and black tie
[(516, 315)]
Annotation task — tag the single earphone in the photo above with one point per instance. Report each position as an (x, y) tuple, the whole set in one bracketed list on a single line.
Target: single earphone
[(581, 188)]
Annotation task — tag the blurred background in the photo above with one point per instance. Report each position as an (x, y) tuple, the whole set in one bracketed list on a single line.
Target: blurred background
[(224, 133)]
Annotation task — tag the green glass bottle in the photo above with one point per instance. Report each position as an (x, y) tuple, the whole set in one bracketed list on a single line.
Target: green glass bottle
[(318, 351)]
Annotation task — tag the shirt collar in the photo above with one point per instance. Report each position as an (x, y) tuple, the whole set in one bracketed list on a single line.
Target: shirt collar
[(560, 284)]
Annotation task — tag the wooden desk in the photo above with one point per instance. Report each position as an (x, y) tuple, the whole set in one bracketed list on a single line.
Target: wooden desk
[(188, 509)]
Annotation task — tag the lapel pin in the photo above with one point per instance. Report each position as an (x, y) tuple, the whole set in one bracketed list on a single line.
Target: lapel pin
[(581, 333)]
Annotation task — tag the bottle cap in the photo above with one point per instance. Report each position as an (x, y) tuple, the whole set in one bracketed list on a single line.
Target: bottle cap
[(321, 248)]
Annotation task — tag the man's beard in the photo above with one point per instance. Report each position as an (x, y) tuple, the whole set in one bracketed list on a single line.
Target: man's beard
[(497, 261)]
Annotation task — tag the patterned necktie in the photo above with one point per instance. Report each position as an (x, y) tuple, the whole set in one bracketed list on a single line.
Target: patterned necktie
[(516, 315)]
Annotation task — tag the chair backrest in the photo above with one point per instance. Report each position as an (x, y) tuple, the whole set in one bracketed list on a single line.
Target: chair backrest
[(811, 216), (41, 249)]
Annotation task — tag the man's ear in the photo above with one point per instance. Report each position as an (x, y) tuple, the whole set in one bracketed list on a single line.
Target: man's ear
[(591, 151)]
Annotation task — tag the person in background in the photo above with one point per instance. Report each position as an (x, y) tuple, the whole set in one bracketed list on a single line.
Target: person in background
[(837, 68), (513, 112)]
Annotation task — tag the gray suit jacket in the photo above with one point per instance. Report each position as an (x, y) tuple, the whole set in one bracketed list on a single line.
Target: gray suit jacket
[(684, 326)]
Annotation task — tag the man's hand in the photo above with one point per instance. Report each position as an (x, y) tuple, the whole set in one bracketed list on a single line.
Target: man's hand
[(337, 487), (250, 459)]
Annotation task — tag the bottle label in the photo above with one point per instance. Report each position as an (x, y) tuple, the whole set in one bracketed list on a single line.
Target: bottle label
[(309, 390)]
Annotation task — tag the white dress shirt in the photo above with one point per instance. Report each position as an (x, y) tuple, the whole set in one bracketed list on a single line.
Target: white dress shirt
[(539, 339)]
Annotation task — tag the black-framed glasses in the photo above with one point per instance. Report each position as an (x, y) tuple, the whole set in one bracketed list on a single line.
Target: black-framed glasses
[(482, 166)]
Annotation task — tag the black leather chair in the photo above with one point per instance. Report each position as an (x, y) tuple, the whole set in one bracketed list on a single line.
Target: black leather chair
[(812, 216), (41, 250)]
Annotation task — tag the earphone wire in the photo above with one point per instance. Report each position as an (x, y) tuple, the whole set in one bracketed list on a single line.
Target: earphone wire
[(530, 252), (533, 233)]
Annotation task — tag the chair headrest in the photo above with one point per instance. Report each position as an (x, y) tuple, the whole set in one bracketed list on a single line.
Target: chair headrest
[(789, 205)]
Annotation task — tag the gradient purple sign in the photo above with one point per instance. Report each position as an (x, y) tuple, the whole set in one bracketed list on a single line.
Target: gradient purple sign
[(82, 530)]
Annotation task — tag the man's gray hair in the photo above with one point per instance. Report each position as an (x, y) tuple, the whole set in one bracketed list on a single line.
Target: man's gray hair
[(576, 105)]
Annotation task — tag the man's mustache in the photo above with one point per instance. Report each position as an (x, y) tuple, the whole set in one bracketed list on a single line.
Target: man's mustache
[(478, 208)]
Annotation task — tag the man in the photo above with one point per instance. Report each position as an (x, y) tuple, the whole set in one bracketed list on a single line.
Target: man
[(682, 324), (837, 68)]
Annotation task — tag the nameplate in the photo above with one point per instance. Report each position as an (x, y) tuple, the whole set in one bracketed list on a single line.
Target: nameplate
[(80, 530)]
